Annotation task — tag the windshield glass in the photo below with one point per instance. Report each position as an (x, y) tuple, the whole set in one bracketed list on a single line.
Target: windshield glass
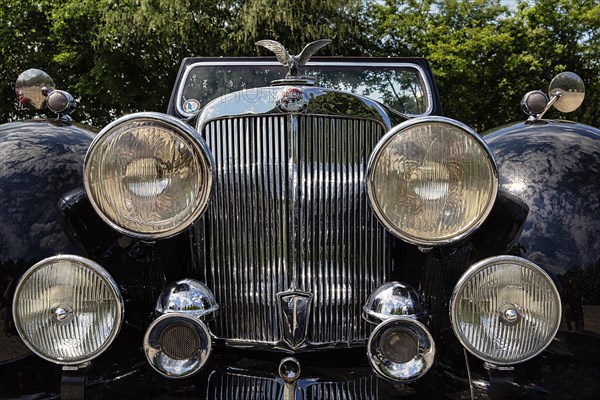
[(398, 86)]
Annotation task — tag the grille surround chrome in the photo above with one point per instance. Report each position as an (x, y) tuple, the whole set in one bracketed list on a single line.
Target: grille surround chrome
[(302, 176)]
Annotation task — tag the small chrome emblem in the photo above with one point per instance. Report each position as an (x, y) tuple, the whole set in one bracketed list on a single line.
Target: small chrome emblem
[(294, 313), (291, 99)]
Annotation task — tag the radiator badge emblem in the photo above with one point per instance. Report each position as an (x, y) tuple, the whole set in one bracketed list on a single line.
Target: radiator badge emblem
[(294, 313), (291, 99)]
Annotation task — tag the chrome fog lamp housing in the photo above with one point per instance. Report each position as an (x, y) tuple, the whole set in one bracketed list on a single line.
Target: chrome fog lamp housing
[(391, 300), (67, 309), (432, 181), (401, 349), (177, 345), (187, 296), (505, 310), (148, 175)]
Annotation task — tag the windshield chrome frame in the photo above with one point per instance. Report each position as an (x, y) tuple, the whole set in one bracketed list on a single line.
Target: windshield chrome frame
[(418, 68)]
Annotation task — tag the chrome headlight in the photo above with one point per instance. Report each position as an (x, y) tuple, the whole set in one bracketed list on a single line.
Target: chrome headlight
[(67, 309), (432, 181), (505, 310), (148, 175)]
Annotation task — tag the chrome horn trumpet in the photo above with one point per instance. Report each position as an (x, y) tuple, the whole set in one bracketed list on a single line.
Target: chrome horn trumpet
[(400, 349), (178, 343)]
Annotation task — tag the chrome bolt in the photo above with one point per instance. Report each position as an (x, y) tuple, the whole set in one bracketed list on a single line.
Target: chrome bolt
[(511, 315), (61, 313)]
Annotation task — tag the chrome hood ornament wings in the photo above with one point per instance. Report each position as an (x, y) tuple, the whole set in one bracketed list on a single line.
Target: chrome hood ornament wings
[(290, 61)]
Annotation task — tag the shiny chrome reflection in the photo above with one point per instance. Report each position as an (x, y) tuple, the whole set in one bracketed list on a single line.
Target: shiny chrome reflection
[(505, 310), (289, 369), (177, 345), (290, 210), (67, 309), (432, 181), (32, 87), (401, 349), (61, 102), (569, 90), (392, 300), (534, 102), (187, 296)]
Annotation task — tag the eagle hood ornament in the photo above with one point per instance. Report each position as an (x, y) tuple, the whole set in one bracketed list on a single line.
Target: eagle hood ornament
[(290, 61)]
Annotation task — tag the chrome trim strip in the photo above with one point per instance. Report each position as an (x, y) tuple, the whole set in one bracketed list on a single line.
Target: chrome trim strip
[(290, 212), (237, 384), (421, 72)]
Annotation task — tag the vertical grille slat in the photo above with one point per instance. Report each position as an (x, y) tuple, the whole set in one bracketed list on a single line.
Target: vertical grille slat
[(289, 196), (229, 386)]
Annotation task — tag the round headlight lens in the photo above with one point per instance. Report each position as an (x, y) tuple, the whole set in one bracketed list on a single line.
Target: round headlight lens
[(148, 175), (67, 309), (505, 310), (432, 181)]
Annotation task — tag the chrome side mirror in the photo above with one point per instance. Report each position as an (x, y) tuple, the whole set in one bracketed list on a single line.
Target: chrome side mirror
[(569, 91), (36, 91), (32, 88), (566, 93)]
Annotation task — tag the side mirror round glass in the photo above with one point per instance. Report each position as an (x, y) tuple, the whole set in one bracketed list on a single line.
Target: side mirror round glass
[(32, 87), (569, 89)]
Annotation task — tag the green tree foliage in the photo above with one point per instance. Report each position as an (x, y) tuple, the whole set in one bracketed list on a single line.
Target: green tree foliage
[(295, 23), (486, 56), (23, 44), (122, 56)]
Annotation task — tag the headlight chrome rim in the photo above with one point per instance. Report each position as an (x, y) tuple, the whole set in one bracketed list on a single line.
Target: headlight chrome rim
[(371, 190), (183, 130), (509, 314), (96, 268)]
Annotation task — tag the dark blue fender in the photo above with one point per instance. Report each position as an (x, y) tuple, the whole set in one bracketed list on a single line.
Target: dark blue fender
[(554, 168), (547, 210), (40, 160)]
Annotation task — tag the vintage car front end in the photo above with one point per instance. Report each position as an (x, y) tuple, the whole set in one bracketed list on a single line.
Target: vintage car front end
[(297, 240)]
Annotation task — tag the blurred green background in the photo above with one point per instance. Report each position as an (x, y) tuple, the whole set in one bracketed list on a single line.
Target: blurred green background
[(121, 56)]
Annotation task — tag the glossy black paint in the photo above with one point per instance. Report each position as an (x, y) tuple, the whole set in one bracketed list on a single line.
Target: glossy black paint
[(546, 210), (554, 168), (39, 161)]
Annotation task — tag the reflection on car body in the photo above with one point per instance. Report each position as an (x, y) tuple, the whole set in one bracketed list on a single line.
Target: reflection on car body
[(320, 231)]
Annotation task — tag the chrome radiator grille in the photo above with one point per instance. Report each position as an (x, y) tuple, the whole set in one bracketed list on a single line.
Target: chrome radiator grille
[(290, 209), (229, 386)]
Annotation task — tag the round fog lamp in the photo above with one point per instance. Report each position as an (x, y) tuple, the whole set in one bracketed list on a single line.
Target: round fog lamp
[(148, 175), (67, 309), (505, 310), (432, 181)]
